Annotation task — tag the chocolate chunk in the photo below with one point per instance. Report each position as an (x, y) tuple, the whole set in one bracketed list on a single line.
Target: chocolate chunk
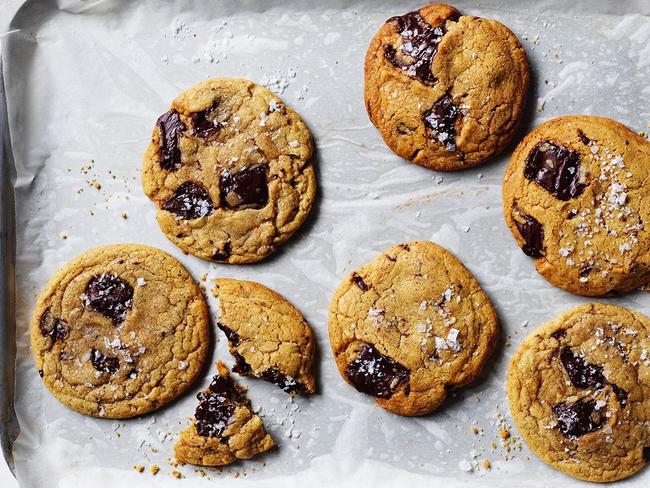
[(419, 46), (376, 374), (205, 124), (287, 383), (247, 188), (171, 127), (533, 234), (571, 214), (41, 373), (556, 169), (222, 254), (189, 201), (583, 138), (358, 280), (55, 329), (620, 393), (581, 373), (216, 406), (231, 335), (103, 363), (109, 295), (577, 419), (441, 119), (646, 453), (586, 271), (241, 366), (559, 334)]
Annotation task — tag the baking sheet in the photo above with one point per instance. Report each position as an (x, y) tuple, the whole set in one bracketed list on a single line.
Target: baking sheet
[(85, 83)]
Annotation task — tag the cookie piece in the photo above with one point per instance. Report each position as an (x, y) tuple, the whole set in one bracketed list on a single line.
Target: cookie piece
[(576, 200), (267, 336), (229, 169), (120, 331), (410, 326), (225, 428), (446, 91), (579, 392)]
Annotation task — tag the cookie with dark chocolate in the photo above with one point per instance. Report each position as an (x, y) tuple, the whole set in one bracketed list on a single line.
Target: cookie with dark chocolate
[(446, 91), (104, 341), (224, 429), (578, 392), (575, 197), (229, 169), (410, 326)]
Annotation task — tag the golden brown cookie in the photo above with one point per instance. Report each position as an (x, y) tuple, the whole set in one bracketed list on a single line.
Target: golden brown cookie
[(575, 196), (268, 337), (579, 392), (119, 331), (225, 428), (445, 90), (410, 326), (229, 170)]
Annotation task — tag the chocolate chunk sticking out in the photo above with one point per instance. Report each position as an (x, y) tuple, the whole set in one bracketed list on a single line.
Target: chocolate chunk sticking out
[(586, 271), (583, 138), (646, 453), (171, 127), (441, 119), (189, 201), (620, 393), (55, 329), (419, 46), (222, 254), (559, 334), (556, 169), (577, 419), (247, 188), (287, 383), (241, 366), (571, 214), (532, 232), (216, 406), (376, 374), (581, 373), (110, 296), (358, 280), (231, 335), (103, 363), (204, 123)]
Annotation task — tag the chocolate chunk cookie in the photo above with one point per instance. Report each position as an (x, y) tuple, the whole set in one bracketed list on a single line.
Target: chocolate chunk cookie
[(267, 336), (120, 331), (575, 196), (446, 91), (229, 169), (410, 326), (225, 428), (579, 392)]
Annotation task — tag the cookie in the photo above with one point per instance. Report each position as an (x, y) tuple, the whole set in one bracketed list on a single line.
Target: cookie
[(446, 91), (229, 169), (410, 326), (579, 392), (120, 331), (576, 199), (267, 336), (225, 428)]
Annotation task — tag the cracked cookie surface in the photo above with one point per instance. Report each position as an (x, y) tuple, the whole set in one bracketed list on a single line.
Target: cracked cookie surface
[(229, 169), (119, 331), (411, 325), (575, 197), (224, 428), (268, 337), (446, 91), (579, 392)]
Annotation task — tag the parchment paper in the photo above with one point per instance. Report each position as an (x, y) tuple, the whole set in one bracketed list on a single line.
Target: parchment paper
[(86, 82)]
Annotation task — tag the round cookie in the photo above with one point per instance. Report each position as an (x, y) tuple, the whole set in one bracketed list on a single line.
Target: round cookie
[(575, 197), (579, 392), (229, 169), (410, 326), (268, 337), (119, 331), (445, 90)]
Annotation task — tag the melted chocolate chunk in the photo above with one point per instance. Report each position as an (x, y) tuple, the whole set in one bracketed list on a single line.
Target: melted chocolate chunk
[(533, 234), (55, 329), (222, 254), (586, 271), (105, 364), (287, 383), (376, 374), (204, 123), (171, 128), (216, 406), (241, 366), (558, 334), (577, 419), (231, 335), (419, 46), (189, 201), (581, 373), (358, 280), (246, 189), (620, 393), (441, 119), (556, 169), (583, 138), (109, 295)]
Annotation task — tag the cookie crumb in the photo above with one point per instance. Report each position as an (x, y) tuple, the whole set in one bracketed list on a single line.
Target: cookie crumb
[(154, 469), (123, 215), (176, 474), (486, 464), (504, 433), (139, 468), (474, 429)]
